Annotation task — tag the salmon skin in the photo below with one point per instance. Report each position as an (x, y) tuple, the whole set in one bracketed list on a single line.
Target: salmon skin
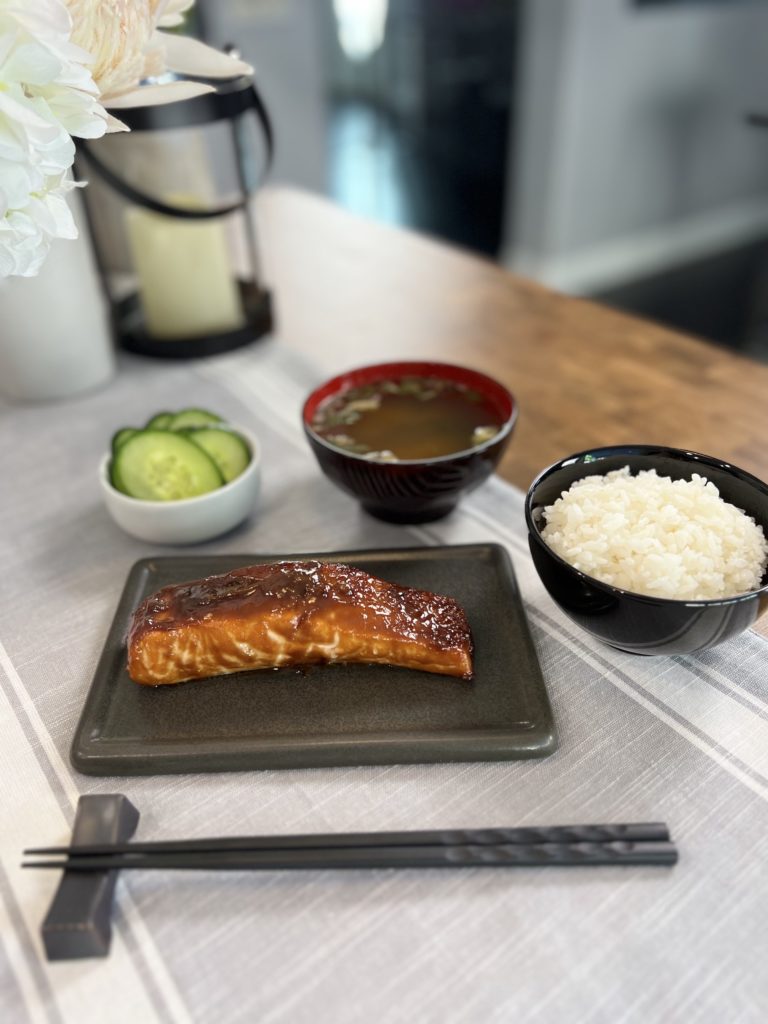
[(290, 614)]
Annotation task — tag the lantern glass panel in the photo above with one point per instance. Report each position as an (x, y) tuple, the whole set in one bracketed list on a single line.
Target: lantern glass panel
[(172, 226)]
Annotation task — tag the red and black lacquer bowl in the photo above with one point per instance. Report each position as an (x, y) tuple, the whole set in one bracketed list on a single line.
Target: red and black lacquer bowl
[(418, 490)]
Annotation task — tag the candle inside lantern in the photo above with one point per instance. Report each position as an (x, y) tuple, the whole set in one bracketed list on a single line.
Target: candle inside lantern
[(185, 275)]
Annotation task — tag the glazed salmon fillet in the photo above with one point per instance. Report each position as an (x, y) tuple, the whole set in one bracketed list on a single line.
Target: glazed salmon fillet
[(290, 614)]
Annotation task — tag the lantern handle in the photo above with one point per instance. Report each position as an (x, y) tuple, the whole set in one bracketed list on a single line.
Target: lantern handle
[(139, 198)]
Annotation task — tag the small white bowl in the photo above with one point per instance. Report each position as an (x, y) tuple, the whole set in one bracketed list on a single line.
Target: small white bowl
[(190, 520)]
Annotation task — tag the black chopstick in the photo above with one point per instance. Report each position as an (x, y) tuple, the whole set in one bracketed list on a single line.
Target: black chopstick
[(643, 832), (458, 856)]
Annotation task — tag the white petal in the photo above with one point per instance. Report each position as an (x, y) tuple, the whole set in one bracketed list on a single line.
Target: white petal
[(69, 184), (12, 262), (31, 64), (23, 246), (18, 180), (78, 77), (114, 125), (191, 57), (173, 12), (14, 144), (23, 113), (75, 111), (44, 18), (51, 146), (7, 43), (54, 216), (155, 95)]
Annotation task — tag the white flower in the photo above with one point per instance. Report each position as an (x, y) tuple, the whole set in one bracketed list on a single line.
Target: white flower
[(59, 59), (25, 235), (39, 59), (47, 95), (122, 36)]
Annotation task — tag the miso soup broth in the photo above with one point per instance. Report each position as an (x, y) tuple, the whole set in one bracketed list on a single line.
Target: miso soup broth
[(407, 418)]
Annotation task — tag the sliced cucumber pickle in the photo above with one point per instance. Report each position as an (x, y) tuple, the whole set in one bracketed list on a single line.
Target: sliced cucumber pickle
[(121, 436), (228, 450), (158, 465), (188, 418), (160, 421)]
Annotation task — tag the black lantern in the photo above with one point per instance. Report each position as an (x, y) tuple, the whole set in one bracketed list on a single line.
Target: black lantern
[(168, 210)]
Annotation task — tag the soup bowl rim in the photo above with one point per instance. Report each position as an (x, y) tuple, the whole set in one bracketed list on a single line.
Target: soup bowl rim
[(504, 430)]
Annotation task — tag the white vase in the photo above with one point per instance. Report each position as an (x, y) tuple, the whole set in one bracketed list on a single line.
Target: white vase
[(54, 328)]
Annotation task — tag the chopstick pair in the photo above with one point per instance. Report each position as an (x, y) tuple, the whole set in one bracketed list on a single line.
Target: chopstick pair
[(566, 845)]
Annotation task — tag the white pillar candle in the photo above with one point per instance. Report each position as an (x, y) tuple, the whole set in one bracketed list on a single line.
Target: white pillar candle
[(185, 275)]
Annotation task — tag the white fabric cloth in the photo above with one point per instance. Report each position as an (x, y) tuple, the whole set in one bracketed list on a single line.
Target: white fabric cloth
[(684, 740)]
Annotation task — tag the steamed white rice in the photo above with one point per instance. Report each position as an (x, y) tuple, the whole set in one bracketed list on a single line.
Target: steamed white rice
[(653, 535)]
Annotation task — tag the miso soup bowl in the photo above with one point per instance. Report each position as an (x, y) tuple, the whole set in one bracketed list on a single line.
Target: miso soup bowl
[(415, 490), (634, 622)]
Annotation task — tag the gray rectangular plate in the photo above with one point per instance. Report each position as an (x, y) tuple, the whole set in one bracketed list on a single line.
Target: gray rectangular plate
[(332, 714)]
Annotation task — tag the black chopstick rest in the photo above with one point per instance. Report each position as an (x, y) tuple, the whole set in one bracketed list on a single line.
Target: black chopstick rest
[(79, 921)]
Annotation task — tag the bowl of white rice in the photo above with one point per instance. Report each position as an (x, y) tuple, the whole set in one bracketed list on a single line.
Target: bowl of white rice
[(652, 550)]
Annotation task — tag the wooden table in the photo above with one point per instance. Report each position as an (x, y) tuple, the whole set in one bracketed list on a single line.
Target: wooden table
[(584, 375)]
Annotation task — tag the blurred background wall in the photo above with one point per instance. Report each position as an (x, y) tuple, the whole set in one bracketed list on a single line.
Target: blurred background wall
[(635, 159), (285, 39), (600, 146)]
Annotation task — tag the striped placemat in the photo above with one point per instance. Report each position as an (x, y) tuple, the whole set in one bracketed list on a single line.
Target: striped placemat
[(683, 740)]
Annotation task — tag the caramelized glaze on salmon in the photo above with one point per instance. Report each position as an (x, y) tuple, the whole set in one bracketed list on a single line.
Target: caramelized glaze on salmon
[(294, 613)]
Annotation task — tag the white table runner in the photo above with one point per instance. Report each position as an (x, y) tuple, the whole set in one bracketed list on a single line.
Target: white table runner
[(680, 740)]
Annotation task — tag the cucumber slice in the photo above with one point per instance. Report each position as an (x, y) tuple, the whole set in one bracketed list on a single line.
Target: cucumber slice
[(228, 450), (158, 465), (188, 418), (160, 421), (121, 436)]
